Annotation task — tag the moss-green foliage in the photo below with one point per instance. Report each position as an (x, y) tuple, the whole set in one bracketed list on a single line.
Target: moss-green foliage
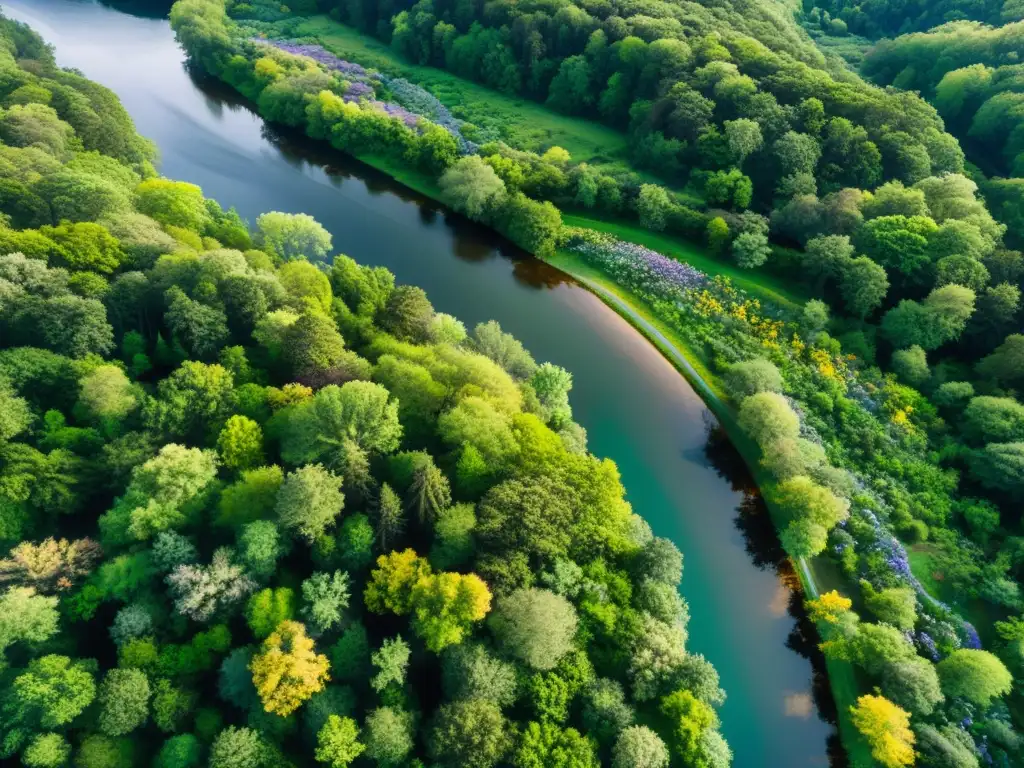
[(260, 533)]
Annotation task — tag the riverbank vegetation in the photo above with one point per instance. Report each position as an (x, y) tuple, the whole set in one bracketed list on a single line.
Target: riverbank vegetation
[(261, 506), (885, 409)]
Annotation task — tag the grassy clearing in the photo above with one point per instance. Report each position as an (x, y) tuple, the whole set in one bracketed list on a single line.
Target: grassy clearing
[(757, 283), (520, 122)]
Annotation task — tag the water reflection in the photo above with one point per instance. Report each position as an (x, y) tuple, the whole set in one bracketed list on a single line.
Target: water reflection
[(761, 541)]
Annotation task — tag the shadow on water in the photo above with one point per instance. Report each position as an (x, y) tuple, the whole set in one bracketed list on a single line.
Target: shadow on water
[(762, 545), (471, 242)]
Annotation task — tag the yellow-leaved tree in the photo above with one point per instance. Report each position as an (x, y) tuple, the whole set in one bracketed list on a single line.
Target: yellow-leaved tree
[(288, 670), (445, 605), (887, 729)]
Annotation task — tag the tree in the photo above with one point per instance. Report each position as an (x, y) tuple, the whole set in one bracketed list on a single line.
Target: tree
[(743, 137), (767, 417), (948, 747), (504, 349), (46, 750), (690, 719), (392, 663), (203, 330), (639, 747), (535, 626), (552, 383), (182, 751), (388, 735), (193, 399), (201, 592), (288, 670), (605, 711), (469, 734), (749, 377), (266, 609), (653, 206), (260, 546), (445, 605), (174, 203), (99, 751), (49, 694), (472, 187), (392, 582), (172, 705), (470, 671), (547, 744), (28, 617), (50, 565), (894, 605), (292, 236), (389, 520), (309, 500), (251, 498), (124, 701), (1006, 363), (107, 394), (796, 153), (165, 493), (994, 420), (531, 225), (977, 676), (407, 314), (338, 742), (940, 318), (886, 728), (999, 466), (239, 748), (240, 443), (912, 684), (429, 493), (326, 596), (911, 365), (309, 345)]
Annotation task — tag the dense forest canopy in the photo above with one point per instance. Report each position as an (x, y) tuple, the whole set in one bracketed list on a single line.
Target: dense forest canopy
[(260, 506)]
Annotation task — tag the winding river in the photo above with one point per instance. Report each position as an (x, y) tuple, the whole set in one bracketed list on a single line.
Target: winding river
[(680, 475)]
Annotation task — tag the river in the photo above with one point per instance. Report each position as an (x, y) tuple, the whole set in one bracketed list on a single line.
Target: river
[(636, 408)]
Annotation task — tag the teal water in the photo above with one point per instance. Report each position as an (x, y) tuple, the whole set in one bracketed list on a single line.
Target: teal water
[(636, 408)]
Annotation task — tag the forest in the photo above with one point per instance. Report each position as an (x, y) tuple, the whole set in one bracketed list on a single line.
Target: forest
[(884, 408), (262, 506)]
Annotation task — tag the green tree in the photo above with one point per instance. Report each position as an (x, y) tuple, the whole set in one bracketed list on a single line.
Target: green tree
[(124, 701), (975, 675), (49, 694), (911, 365), (46, 750), (293, 236), (325, 597), (392, 663), (266, 609), (28, 617), (172, 202), (864, 285), (240, 443), (639, 747), (472, 187), (388, 735), (338, 742), (749, 377), (653, 206), (469, 734), (182, 751), (535, 626), (309, 500), (767, 417), (546, 744), (407, 314), (239, 748)]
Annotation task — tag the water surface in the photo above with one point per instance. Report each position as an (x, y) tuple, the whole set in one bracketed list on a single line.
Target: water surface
[(636, 408)]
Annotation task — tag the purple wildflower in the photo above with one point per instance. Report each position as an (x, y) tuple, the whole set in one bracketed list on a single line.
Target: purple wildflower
[(971, 640)]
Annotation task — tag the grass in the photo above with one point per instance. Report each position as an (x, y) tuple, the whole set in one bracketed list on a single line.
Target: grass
[(757, 283), (520, 122)]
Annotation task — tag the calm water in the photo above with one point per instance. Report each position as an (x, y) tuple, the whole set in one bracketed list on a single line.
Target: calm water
[(636, 408)]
